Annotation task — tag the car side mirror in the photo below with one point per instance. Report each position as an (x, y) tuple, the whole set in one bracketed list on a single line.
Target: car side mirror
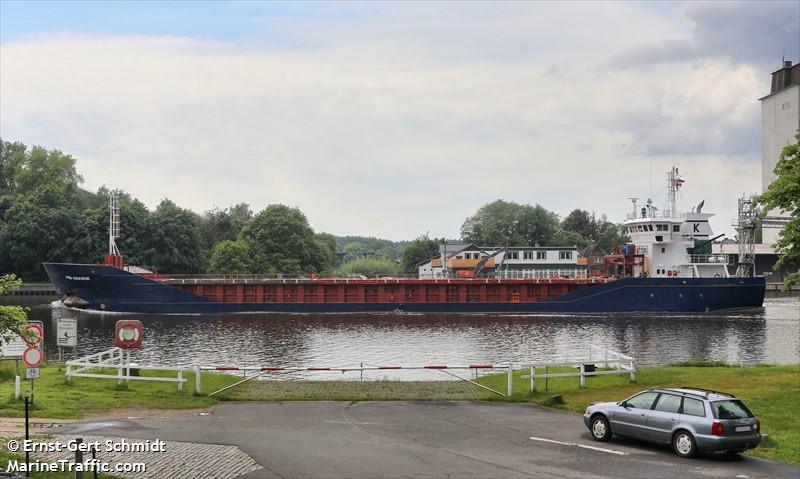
[(623, 404)]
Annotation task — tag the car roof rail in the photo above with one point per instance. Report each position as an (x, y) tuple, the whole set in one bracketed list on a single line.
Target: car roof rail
[(708, 391)]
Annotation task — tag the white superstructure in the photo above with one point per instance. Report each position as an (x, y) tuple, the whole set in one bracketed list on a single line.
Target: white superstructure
[(666, 239)]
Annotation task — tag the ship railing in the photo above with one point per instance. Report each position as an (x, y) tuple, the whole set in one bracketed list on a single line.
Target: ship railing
[(544, 275), (709, 258)]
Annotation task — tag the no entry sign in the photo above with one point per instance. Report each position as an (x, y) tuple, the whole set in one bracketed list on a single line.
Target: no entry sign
[(32, 357), (32, 334)]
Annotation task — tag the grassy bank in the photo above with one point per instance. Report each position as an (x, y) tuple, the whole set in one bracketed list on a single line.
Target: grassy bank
[(56, 398), (771, 392)]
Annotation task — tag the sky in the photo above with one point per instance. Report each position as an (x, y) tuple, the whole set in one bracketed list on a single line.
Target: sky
[(397, 119)]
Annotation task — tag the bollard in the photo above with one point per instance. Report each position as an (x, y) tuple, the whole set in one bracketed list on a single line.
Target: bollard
[(198, 388), (583, 378), (17, 387), (533, 379), (180, 380), (633, 372), (510, 378)]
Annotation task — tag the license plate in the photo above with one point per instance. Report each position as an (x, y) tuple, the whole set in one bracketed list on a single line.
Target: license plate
[(741, 428)]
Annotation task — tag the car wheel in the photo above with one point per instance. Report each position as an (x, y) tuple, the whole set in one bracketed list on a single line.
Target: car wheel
[(601, 431), (684, 444)]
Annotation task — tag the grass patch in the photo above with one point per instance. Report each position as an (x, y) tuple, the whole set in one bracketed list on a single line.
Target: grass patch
[(771, 392), (56, 398)]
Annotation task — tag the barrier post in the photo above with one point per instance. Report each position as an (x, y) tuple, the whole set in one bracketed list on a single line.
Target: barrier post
[(198, 388), (78, 457), (180, 380), (510, 378), (583, 378), (633, 372), (533, 379), (17, 387)]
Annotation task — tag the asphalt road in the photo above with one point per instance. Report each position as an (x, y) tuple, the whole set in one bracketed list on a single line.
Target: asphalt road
[(426, 439)]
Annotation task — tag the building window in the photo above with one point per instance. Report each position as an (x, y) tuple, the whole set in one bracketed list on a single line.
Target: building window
[(541, 255), (513, 255), (565, 255), (527, 255)]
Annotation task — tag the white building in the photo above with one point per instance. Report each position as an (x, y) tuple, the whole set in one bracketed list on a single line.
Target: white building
[(512, 262), (780, 120)]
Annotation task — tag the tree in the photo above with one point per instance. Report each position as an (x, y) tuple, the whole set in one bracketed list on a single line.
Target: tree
[(172, 241), (281, 241), (421, 249), (12, 318), (582, 223), (218, 225), (230, 257), (38, 228), (784, 194), (502, 223)]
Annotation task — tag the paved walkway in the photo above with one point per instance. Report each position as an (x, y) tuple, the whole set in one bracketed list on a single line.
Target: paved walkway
[(180, 460)]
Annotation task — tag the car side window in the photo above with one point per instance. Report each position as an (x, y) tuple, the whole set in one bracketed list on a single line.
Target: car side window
[(642, 401), (693, 407), (668, 403)]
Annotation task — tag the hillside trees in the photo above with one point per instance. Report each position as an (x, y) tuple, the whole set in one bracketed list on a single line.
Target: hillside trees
[(421, 249)]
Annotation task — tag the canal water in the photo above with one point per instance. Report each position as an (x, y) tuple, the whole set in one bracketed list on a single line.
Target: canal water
[(765, 335)]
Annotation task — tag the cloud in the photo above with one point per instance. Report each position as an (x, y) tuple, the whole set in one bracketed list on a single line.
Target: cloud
[(402, 124), (757, 33)]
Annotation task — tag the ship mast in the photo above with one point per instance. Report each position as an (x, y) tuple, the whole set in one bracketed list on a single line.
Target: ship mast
[(113, 257), (113, 223), (674, 182)]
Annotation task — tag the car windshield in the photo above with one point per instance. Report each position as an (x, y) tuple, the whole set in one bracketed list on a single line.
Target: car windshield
[(733, 409)]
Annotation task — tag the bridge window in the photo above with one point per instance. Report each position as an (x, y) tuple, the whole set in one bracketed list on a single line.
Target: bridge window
[(676, 228)]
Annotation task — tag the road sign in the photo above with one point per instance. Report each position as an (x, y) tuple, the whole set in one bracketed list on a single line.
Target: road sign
[(32, 373), (33, 333), (67, 332), (14, 348), (128, 334), (32, 357)]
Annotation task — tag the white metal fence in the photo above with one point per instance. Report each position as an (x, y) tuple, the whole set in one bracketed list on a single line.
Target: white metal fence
[(613, 363), (119, 359)]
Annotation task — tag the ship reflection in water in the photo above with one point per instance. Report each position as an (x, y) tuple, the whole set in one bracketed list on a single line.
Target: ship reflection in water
[(768, 335)]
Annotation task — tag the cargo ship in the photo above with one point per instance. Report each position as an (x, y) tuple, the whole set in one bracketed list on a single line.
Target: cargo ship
[(666, 267)]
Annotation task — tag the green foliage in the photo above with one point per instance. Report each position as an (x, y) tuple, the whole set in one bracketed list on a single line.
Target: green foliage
[(355, 246), (230, 257), (370, 266), (219, 225), (784, 194), (12, 318), (281, 241), (172, 241), (502, 223), (421, 249)]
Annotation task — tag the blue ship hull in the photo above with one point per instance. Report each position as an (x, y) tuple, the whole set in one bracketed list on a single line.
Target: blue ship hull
[(109, 289)]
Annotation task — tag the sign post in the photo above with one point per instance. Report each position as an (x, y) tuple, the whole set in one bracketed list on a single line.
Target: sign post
[(67, 336), (127, 336), (33, 334)]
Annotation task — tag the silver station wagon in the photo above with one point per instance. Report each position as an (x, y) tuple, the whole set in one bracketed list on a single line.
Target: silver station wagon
[(692, 420)]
